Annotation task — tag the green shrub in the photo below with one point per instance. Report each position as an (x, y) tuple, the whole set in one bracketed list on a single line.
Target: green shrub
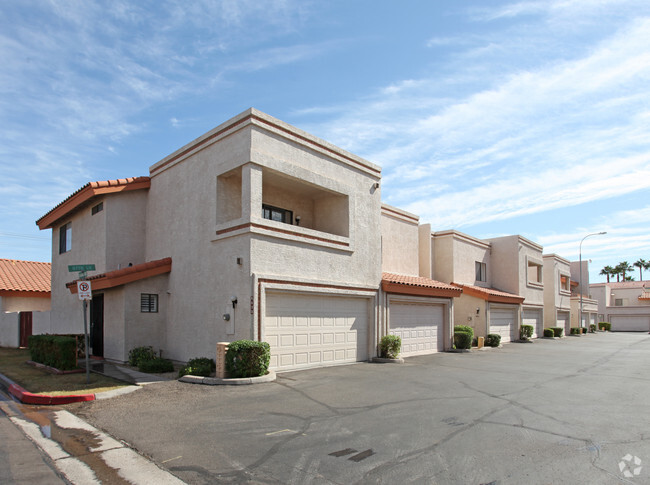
[(592, 328), (156, 366), (248, 358), (464, 328), (201, 366), (558, 331), (493, 340), (56, 351), (576, 331), (462, 340), (548, 332), (605, 326), (390, 346), (141, 354), (526, 331), (584, 329)]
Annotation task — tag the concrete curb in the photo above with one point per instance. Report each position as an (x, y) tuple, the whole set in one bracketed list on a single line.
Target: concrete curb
[(383, 360), (216, 381), (27, 397)]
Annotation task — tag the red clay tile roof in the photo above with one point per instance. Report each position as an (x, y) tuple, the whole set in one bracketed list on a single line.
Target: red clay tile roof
[(25, 276), (87, 193), (490, 294), (417, 285), (123, 276)]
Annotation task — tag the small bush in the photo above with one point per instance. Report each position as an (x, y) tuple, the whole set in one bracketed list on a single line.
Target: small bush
[(592, 328), (526, 331), (585, 329), (248, 358), (558, 331), (462, 340), (464, 328), (56, 351), (548, 332), (201, 366), (475, 342), (493, 340), (576, 331), (156, 366), (605, 326), (141, 354), (390, 346)]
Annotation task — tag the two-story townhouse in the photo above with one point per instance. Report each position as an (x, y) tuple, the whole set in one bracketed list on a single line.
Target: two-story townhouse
[(415, 307), (626, 305), (274, 235), (581, 301), (557, 292), (24, 301), (517, 266)]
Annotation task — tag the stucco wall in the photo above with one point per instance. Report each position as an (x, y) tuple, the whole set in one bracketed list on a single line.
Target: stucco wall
[(455, 257), (555, 299), (25, 304), (399, 242), (9, 329), (465, 313), (125, 223)]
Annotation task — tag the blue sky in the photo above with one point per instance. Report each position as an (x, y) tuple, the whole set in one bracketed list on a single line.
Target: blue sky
[(491, 117)]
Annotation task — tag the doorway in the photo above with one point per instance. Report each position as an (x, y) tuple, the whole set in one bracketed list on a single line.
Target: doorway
[(97, 325), (25, 328)]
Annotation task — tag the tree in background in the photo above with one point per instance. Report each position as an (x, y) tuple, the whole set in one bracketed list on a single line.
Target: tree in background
[(642, 264), (622, 269)]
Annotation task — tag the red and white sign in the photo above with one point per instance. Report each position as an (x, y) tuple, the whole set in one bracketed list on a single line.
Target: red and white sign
[(84, 290)]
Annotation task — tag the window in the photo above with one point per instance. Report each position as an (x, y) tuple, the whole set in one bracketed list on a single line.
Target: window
[(65, 238), (565, 283), (534, 272), (620, 302), (98, 208), (481, 271), (277, 214), (148, 303)]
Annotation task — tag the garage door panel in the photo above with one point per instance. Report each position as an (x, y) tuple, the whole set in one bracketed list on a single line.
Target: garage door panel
[(504, 322), (630, 323), (534, 318), (312, 330), (420, 327)]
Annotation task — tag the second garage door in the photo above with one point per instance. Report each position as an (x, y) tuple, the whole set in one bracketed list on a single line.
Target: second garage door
[(564, 321), (534, 318), (420, 327), (504, 322), (630, 323), (313, 331)]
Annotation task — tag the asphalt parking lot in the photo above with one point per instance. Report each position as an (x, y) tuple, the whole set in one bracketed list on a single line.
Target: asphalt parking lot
[(555, 411)]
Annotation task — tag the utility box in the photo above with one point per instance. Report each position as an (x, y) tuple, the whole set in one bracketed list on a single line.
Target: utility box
[(222, 348), (481, 341)]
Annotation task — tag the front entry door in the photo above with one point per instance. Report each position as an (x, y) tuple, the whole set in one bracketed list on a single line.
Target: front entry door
[(97, 325), (25, 328)]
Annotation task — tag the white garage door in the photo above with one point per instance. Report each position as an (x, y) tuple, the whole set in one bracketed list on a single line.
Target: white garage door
[(504, 322), (419, 326), (630, 323), (313, 331), (534, 318), (592, 319), (564, 320)]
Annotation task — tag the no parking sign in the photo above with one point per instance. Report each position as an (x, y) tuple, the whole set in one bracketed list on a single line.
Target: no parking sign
[(84, 290)]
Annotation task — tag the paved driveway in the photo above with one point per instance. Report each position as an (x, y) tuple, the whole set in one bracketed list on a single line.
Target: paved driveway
[(554, 411)]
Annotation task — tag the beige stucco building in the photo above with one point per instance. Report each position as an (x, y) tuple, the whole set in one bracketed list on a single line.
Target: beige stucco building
[(581, 297), (626, 305), (557, 292)]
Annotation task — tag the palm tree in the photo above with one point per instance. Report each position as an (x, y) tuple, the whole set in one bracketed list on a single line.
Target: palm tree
[(608, 271), (641, 264), (622, 269)]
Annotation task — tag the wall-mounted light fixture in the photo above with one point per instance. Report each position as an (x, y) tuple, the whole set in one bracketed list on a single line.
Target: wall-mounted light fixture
[(297, 220), (478, 310), (226, 317), (233, 300)]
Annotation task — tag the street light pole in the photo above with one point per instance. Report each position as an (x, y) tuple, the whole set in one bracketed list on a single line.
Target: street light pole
[(580, 256)]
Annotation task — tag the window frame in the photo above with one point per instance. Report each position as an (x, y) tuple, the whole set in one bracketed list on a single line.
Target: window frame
[(149, 302), (97, 208), (480, 271), (65, 238), (284, 213)]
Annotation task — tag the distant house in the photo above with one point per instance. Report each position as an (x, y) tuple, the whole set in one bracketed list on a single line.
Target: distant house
[(24, 301), (578, 295), (625, 305)]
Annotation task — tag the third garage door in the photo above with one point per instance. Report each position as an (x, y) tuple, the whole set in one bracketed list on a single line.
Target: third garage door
[(504, 322), (420, 326), (630, 323)]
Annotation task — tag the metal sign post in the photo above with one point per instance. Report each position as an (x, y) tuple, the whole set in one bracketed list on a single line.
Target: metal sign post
[(85, 292)]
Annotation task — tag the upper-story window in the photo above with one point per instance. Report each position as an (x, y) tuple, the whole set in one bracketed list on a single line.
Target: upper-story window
[(565, 283), (534, 272), (97, 208), (65, 238), (277, 214), (481, 271)]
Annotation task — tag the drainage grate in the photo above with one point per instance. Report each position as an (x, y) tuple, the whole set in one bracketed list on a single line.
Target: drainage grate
[(348, 451)]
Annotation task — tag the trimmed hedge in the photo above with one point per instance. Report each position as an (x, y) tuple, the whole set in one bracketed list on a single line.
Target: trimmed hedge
[(605, 326), (141, 354), (548, 332), (592, 328), (462, 340), (464, 328), (526, 331), (156, 366), (558, 331), (248, 358), (56, 351), (493, 340), (576, 331), (201, 366), (390, 346)]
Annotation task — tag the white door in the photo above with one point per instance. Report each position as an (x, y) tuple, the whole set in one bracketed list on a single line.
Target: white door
[(314, 331), (504, 322), (630, 323), (564, 321), (534, 318), (419, 326)]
